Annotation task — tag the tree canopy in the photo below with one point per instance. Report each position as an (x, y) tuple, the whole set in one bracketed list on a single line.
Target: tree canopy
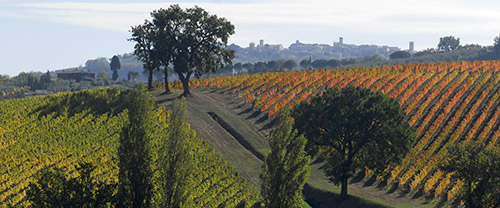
[(354, 128), (192, 40), (448, 43), (400, 54), (478, 167), (115, 66), (286, 167), (144, 36)]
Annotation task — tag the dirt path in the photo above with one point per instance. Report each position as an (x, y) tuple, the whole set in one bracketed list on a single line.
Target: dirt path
[(254, 127)]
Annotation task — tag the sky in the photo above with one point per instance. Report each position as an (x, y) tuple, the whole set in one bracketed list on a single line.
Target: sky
[(41, 35)]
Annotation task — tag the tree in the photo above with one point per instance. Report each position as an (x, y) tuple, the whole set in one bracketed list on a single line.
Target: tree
[(45, 80), (496, 47), (399, 55), (97, 65), (103, 75), (290, 64), (238, 67), (349, 61), (354, 128), (144, 35), (115, 66), (286, 167), (166, 26), (319, 64), (53, 188), (448, 43), (478, 167), (248, 67), (176, 160), (132, 75), (273, 65), (333, 63), (201, 44), (305, 63), (135, 174), (260, 66)]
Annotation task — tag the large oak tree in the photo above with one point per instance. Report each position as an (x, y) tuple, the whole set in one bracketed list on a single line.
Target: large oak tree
[(354, 128), (193, 40), (201, 45)]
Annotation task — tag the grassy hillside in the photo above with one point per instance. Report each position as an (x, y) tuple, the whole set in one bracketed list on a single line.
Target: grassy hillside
[(64, 129), (446, 102)]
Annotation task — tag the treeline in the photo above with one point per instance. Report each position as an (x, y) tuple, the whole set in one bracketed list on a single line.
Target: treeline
[(26, 84), (283, 64)]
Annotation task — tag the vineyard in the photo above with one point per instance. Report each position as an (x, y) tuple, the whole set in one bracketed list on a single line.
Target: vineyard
[(446, 102), (63, 129)]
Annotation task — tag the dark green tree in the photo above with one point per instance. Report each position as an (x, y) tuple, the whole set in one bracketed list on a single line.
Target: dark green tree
[(273, 65), (115, 66), (260, 66), (354, 128), (479, 168), (248, 67), (45, 80), (53, 188), (349, 61), (286, 167), (135, 174), (319, 64), (399, 55), (201, 45), (238, 67), (333, 63), (144, 50), (448, 43), (290, 64), (496, 47), (305, 63), (166, 26)]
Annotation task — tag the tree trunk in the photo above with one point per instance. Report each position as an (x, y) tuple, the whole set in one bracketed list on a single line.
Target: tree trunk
[(150, 79), (167, 89), (185, 83), (343, 191)]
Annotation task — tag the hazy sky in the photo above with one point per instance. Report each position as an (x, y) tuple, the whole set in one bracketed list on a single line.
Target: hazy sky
[(37, 35)]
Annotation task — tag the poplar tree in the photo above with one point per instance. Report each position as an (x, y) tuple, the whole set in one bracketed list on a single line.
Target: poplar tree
[(176, 160), (286, 167), (135, 174)]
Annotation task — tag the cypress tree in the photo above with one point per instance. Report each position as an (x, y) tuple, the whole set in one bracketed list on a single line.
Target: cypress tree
[(286, 167), (135, 174), (176, 160)]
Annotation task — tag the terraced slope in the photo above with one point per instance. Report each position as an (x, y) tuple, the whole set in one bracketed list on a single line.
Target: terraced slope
[(63, 129), (446, 102)]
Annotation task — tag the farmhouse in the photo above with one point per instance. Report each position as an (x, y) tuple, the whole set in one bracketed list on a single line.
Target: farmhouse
[(77, 75)]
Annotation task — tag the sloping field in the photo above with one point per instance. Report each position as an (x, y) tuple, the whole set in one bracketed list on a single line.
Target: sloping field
[(447, 103), (64, 129)]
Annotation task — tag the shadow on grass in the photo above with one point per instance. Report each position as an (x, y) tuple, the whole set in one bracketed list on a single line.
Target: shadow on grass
[(268, 125), (253, 115), (324, 199)]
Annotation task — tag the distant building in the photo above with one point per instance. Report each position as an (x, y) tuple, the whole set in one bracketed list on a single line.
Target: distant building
[(341, 40), (261, 43), (77, 75), (411, 48)]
